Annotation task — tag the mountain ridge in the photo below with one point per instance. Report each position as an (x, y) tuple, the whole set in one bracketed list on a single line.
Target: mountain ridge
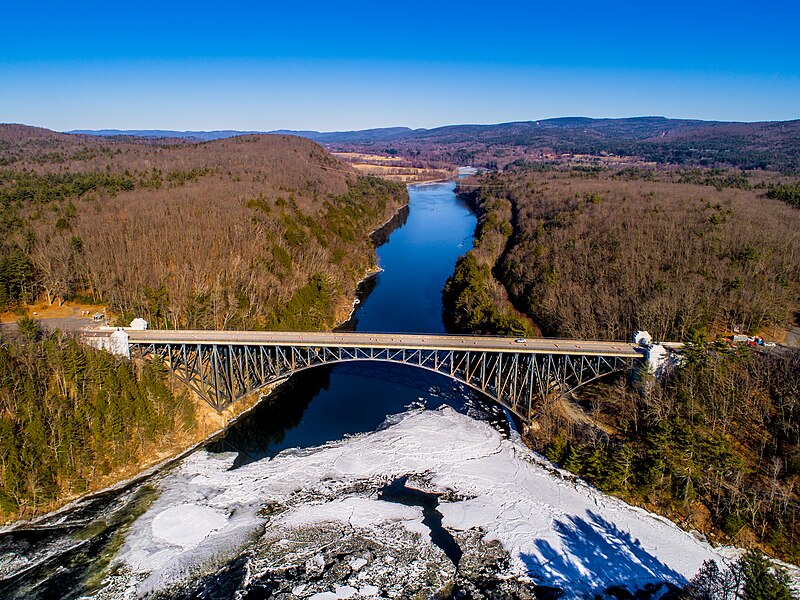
[(401, 132), (769, 145)]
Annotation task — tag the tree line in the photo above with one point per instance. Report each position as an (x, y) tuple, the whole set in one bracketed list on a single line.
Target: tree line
[(788, 192), (750, 577), (600, 253), (227, 234), (70, 414)]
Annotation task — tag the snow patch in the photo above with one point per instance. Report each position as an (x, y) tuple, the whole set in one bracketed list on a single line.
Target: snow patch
[(188, 524), (358, 512), (345, 591), (558, 530)]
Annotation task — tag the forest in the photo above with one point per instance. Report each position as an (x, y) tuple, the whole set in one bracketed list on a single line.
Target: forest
[(688, 255), (249, 232), (598, 254), (70, 415), (147, 228)]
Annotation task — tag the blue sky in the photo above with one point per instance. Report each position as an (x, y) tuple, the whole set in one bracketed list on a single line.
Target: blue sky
[(353, 65)]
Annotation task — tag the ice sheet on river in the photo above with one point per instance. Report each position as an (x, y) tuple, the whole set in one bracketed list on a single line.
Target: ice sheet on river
[(558, 530)]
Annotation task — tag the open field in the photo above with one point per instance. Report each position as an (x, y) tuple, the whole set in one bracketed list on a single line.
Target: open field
[(394, 168), (69, 310)]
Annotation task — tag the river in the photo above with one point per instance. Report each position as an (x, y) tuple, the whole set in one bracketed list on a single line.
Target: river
[(360, 481), (313, 408), (405, 296)]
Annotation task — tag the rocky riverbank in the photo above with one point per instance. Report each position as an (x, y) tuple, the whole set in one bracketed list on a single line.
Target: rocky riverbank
[(317, 524)]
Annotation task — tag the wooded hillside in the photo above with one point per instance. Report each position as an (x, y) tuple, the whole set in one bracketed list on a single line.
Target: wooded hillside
[(596, 253), (71, 415), (251, 231), (247, 232), (599, 254)]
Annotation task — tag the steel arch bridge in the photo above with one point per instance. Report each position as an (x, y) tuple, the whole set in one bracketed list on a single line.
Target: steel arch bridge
[(520, 374)]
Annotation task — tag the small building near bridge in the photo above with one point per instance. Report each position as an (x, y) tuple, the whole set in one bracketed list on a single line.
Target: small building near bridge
[(138, 324), (114, 341)]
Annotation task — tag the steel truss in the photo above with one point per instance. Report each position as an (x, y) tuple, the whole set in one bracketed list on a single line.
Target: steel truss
[(520, 381)]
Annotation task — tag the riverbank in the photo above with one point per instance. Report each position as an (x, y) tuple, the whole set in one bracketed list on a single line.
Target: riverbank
[(720, 473), (209, 425), (473, 301), (378, 237)]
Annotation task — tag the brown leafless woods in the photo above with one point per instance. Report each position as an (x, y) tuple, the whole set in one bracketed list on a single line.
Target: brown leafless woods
[(600, 254), (253, 231), (223, 234)]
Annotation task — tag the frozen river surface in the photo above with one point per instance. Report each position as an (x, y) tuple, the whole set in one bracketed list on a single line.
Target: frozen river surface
[(360, 481)]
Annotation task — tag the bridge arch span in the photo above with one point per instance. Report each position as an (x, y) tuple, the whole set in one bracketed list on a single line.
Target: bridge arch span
[(471, 386), (520, 381)]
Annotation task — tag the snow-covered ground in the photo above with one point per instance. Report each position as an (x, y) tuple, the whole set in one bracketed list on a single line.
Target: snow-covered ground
[(558, 531)]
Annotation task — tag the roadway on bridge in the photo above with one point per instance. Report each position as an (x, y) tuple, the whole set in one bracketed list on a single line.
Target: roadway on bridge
[(385, 340)]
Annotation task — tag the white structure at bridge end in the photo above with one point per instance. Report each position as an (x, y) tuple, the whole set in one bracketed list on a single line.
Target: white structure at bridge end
[(642, 338), (658, 357), (138, 324), (113, 339)]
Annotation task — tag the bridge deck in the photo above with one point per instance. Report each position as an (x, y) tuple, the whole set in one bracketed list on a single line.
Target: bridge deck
[(386, 340)]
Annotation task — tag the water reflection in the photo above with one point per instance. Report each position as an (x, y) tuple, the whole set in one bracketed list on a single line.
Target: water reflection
[(70, 553), (328, 403)]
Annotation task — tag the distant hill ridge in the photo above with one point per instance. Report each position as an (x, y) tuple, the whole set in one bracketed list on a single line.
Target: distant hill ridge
[(164, 133), (772, 145), (354, 136), (628, 127)]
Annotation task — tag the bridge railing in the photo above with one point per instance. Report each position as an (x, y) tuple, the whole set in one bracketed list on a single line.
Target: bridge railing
[(522, 374)]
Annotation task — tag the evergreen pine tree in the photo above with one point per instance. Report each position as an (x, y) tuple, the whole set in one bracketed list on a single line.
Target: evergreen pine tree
[(556, 449), (596, 466), (620, 469), (762, 581), (574, 461)]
